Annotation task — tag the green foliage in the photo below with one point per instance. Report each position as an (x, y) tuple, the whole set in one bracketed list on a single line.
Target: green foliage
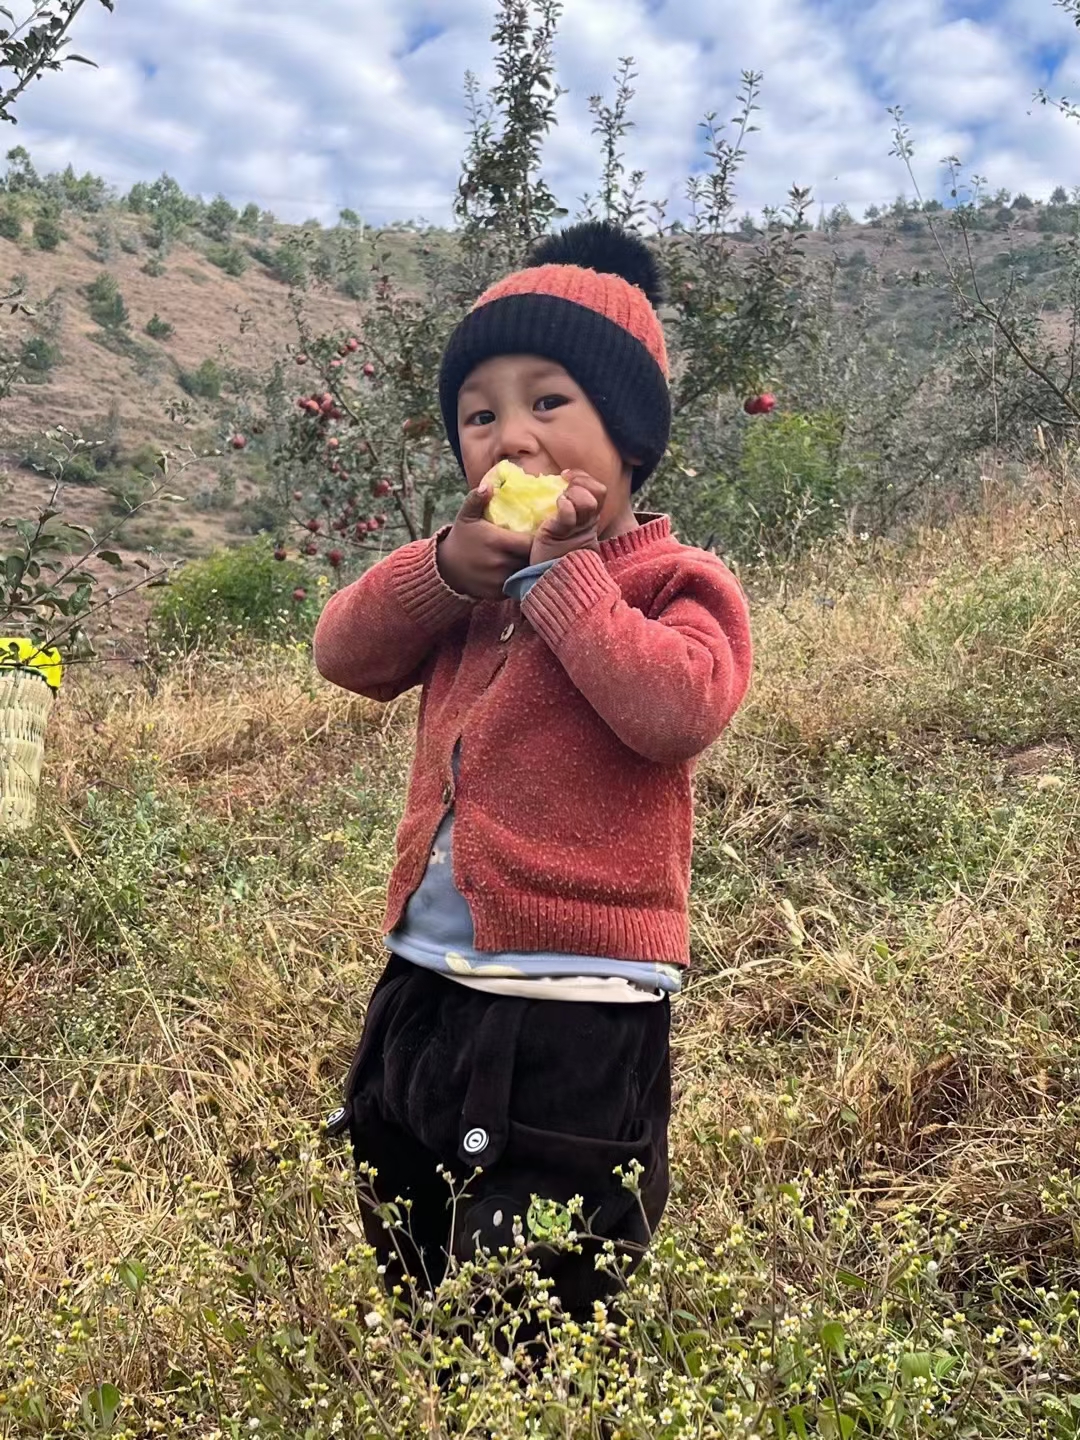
[(128, 492), (232, 597), (289, 264), (248, 221), (38, 355), (291, 261), (47, 230), (205, 383), (917, 832), (159, 329), (219, 220), (107, 305), (11, 221), (791, 482), (86, 193), (230, 258), (108, 899), (1005, 648), (47, 591), (503, 202), (104, 241), (21, 175)]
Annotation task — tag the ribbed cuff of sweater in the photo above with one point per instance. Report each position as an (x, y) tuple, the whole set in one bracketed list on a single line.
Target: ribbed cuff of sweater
[(570, 589), (424, 594)]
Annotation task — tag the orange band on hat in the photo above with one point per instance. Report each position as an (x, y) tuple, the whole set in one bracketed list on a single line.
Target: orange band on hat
[(608, 295)]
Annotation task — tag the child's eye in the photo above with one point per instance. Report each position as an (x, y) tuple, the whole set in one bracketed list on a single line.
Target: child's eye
[(554, 400), (481, 417)]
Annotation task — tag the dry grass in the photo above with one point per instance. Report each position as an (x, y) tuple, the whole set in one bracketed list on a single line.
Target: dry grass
[(880, 1019)]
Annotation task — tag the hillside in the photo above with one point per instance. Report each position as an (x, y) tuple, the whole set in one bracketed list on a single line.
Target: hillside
[(226, 309)]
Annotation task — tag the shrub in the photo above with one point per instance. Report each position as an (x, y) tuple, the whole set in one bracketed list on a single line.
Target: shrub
[(38, 355), (289, 264), (230, 258), (128, 492), (154, 267), (104, 241), (81, 469), (204, 383), (158, 329), (47, 232), (10, 222), (233, 595), (107, 306), (249, 220), (219, 219)]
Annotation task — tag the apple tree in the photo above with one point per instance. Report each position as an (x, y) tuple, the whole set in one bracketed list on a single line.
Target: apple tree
[(361, 463)]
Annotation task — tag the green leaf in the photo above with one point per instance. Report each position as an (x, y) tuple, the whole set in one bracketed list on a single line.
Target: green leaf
[(111, 558), (834, 1424), (132, 1274), (917, 1365), (82, 60), (104, 1403), (797, 1416), (847, 1277), (832, 1338)]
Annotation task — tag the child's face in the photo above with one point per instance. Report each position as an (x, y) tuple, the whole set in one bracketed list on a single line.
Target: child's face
[(529, 410)]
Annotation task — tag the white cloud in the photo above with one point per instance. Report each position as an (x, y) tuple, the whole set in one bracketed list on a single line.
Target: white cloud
[(342, 104)]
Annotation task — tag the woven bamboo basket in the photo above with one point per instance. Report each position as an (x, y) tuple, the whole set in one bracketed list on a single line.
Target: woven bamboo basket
[(26, 702)]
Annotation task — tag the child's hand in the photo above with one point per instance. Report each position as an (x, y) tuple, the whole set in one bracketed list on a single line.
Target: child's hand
[(574, 526), (477, 558)]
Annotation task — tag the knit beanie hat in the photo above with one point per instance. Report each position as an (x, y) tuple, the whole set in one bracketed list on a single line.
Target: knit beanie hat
[(587, 300)]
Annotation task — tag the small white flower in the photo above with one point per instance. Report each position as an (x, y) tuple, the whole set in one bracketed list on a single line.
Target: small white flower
[(373, 1319)]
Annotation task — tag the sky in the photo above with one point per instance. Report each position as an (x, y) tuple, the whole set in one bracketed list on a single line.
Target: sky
[(308, 108)]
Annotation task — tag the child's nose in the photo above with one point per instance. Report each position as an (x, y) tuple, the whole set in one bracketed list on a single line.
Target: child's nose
[(517, 436)]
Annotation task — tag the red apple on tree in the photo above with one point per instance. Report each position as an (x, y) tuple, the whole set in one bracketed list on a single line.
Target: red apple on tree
[(759, 404)]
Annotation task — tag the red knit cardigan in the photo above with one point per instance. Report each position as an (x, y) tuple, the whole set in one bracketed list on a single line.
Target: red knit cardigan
[(580, 715)]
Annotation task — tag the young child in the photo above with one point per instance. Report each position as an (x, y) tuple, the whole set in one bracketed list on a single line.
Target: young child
[(537, 912)]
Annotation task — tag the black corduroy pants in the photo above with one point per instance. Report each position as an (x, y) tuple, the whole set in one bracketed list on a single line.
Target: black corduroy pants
[(545, 1097)]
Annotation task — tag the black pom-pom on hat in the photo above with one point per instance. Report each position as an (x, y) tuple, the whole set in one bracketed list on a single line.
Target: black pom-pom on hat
[(603, 246)]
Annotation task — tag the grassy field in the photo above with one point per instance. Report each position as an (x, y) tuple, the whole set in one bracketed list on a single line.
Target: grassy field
[(876, 1203)]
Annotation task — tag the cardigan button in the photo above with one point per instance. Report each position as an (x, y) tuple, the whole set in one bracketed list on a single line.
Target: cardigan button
[(506, 634)]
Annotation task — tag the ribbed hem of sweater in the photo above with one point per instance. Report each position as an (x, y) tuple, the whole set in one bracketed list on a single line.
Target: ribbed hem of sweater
[(575, 927), (424, 594)]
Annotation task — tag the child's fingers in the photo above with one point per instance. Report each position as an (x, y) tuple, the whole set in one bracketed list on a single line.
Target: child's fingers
[(584, 502), (475, 502), (583, 478), (565, 519)]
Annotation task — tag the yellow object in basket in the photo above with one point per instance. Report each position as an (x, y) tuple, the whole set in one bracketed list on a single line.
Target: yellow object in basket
[(26, 655), (522, 502)]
